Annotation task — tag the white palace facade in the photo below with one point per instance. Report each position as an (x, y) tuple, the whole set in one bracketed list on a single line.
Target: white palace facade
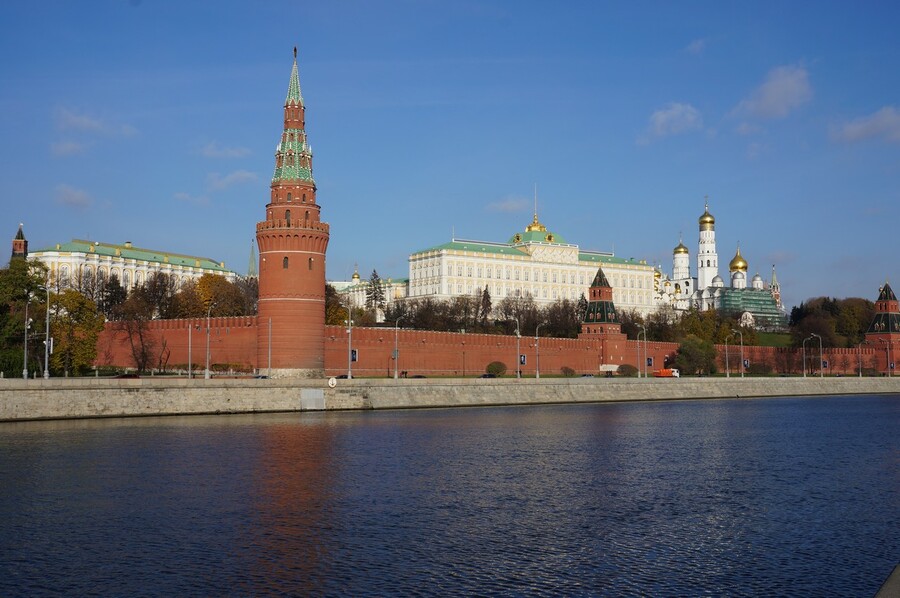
[(535, 262), (69, 263)]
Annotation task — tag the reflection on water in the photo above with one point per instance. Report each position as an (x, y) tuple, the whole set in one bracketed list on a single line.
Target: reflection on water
[(762, 497)]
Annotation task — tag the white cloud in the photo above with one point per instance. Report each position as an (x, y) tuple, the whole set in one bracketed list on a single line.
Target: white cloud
[(192, 199), (218, 182), (68, 120), (785, 88), (67, 148), (214, 150), (509, 205), (696, 47), (884, 124), (70, 196), (674, 119)]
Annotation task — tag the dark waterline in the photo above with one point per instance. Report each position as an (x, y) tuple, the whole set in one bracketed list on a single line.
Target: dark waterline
[(779, 497)]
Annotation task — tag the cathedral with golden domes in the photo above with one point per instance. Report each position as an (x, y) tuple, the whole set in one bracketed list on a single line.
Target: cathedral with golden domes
[(756, 302)]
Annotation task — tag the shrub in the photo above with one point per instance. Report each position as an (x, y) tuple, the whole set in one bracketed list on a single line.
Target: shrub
[(627, 370), (496, 367), (567, 371)]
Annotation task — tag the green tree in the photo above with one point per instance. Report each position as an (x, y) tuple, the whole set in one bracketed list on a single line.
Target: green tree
[(375, 292), (335, 312), (75, 326), (21, 281), (188, 303), (134, 316), (581, 308), (112, 295), (485, 311), (223, 296), (696, 356)]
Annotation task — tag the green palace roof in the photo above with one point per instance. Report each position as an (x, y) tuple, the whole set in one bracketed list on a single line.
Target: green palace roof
[(128, 252), (488, 247)]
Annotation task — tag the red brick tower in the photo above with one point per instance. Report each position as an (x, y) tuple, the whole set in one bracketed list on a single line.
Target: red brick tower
[(20, 245), (600, 316), (884, 331), (292, 242)]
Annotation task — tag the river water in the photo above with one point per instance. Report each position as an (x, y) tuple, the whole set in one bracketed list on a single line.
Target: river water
[(766, 497)]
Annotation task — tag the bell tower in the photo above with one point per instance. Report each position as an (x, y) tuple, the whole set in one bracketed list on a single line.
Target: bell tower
[(292, 242), (707, 258)]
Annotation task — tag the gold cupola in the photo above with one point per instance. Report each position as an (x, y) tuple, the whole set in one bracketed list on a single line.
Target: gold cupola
[(535, 226), (680, 248), (706, 221), (738, 264)]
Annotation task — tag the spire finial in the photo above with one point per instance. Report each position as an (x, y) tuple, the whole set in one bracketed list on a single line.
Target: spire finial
[(706, 202), (295, 52), (535, 202)]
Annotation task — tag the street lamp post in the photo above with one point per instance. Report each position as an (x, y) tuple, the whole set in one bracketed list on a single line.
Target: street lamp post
[(537, 351), (727, 366), (349, 323), (190, 357), (887, 349), (804, 354), (208, 312), (859, 349), (646, 353), (742, 349), (47, 334), (821, 360), (27, 326), (397, 349), (518, 350), (640, 354)]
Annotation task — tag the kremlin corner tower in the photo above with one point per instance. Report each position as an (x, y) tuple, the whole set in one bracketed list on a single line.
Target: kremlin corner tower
[(292, 242)]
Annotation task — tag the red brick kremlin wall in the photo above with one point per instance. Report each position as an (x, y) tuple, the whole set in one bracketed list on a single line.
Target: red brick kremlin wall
[(233, 341)]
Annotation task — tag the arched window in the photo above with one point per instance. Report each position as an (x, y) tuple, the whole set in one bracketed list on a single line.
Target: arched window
[(707, 263), (284, 263), (307, 217), (310, 263), (289, 198), (304, 198), (287, 216)]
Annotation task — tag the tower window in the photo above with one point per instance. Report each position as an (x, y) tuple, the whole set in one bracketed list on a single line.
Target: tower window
[(284, 263), (304, 198), (287, 216), (289, 198), (310, 263)]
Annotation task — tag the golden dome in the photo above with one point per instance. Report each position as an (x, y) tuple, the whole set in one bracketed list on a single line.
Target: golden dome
[(738, 264), (536, 226), (706, 221), (680, 249)]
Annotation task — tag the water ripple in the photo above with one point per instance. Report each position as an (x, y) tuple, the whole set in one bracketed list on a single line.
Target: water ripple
[(741, 498)]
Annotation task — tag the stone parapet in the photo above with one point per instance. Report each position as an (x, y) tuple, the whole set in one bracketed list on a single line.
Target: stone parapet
[(22, 400)]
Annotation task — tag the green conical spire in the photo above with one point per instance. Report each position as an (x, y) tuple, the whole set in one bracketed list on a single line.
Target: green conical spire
[(294, 86), (251, 267)]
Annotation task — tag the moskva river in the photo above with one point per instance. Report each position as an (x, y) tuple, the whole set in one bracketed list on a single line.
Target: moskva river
[(766, 497)]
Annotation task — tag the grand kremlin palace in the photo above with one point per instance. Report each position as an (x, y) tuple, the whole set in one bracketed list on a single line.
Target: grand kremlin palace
[(535, 262)]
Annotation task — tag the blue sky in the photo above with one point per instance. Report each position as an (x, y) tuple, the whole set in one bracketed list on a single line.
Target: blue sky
[(156, 122)]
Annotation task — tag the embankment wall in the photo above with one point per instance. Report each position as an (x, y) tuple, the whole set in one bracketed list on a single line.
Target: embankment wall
[(93, 398)]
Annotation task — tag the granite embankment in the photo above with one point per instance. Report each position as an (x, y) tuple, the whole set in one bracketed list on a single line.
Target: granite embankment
[(89, 397)]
